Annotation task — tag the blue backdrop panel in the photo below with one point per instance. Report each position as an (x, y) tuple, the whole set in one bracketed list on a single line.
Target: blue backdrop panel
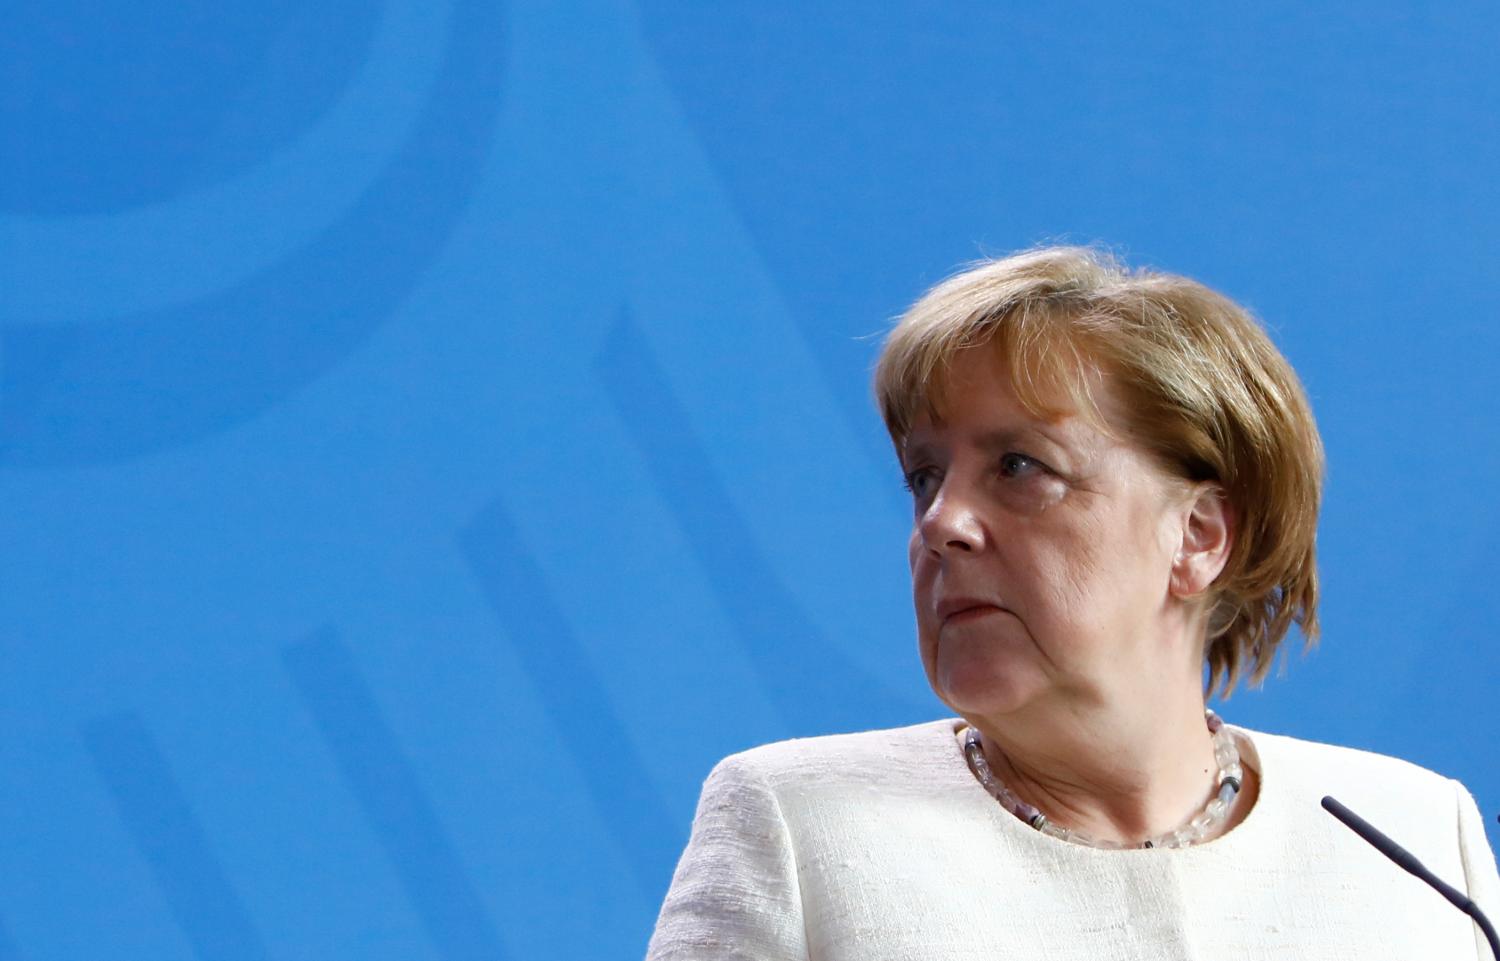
[(432, 434)]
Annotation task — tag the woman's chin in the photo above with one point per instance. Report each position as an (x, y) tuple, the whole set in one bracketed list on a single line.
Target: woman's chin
[(982, 689)]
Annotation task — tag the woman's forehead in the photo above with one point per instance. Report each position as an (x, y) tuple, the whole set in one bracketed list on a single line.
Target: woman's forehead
[(976, 390)]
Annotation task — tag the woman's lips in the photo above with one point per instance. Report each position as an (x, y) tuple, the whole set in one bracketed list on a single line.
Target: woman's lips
[(973, 612)]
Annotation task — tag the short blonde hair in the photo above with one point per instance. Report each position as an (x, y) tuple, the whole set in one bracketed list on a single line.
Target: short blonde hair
[(1204, 390)]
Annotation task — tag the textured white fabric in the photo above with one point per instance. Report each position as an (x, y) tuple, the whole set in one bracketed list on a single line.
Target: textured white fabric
[(882, 845)]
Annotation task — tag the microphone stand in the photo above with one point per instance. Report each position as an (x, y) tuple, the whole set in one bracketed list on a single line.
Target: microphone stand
[(1408, 862)]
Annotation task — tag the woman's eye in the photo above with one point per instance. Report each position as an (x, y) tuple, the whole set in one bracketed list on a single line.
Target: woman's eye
[(1014, 465), (920, 481)]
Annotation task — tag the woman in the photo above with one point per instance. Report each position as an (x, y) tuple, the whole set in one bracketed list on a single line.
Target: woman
[(1115, 479)]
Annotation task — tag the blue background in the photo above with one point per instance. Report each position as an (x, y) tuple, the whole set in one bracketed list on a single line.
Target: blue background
[(433, 433)]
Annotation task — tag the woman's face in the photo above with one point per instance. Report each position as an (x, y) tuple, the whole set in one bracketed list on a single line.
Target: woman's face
[(1041, 553)]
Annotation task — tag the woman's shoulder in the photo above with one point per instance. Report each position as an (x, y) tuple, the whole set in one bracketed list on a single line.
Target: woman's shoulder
[(1431, 815), (1381, 784), (863, 757), (1340, 760)]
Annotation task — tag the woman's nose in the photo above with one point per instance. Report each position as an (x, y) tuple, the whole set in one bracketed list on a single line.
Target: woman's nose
[(951, 523)]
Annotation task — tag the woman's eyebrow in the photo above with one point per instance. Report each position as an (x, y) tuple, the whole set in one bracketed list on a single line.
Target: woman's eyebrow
[(913, 450), (1010, 436), (993, 441)]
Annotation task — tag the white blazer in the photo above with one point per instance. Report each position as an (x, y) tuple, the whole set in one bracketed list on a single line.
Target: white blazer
[(883, 845)]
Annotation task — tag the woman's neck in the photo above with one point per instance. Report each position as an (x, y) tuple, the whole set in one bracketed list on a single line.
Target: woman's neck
[(1113, 775)]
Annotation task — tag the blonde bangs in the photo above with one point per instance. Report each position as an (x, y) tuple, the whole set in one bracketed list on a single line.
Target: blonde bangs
[(1042, 347)]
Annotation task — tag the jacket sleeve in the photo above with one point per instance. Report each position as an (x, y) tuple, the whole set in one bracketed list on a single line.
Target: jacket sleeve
[(1480, 874), (735, 893)]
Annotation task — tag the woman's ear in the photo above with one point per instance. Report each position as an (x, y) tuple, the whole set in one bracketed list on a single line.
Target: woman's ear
[(1207, 536)]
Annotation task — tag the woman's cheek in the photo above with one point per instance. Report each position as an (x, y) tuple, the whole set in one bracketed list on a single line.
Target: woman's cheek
[(1034, 495)]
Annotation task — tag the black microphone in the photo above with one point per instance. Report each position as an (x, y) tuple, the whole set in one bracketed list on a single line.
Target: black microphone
[(1409, 862)]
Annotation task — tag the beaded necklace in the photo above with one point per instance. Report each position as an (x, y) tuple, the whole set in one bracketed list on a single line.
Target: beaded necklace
[(1230, 775)]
